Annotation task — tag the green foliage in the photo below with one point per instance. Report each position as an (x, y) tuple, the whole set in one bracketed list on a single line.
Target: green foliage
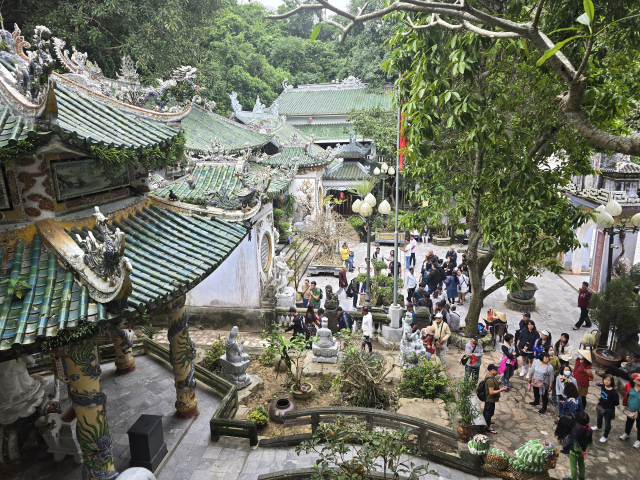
[(292, 352), (325, 383), (23, 148), (617, 308), (378, 265), (363, 188), (213, 353), (355, 221), (259, 416), (148, 331), (289, 204), (378, 125), (16, 286), (381, 288), (277, 214), (296, 260), (268, 355), (425, 380), (75, 336), (110, 160), (462, 409), (634, 274), (379, 449)]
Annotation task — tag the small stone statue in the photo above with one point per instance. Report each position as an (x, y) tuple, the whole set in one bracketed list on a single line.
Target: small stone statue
[(332, 300), (411, 347), (20, 393), (234, 362), (285, 295), (325, 350)]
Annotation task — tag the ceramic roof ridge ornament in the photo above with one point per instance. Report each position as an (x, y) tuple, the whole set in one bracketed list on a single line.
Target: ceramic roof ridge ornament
[(78, 62), (128, 72), (31, 68), (106, 259)]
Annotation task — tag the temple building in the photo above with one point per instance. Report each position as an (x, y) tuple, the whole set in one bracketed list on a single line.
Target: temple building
[(617, 179)]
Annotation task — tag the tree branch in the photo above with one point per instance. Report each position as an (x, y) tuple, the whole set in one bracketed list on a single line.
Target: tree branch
[(290, 13), (493, 288), (536, 17), (542, 142), (488, 33), (585, 59)]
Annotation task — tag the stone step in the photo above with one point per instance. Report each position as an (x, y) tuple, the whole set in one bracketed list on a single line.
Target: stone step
[(307, 260)]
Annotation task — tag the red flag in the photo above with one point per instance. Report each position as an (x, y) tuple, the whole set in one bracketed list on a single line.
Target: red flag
[(403, 142)]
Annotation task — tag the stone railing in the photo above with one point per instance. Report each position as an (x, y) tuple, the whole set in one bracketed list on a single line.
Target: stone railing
[(307, 473), (603, 196), (221, 422), (431, 438)]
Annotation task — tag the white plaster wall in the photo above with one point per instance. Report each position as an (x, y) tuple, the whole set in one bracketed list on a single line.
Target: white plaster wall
[(234, 283)]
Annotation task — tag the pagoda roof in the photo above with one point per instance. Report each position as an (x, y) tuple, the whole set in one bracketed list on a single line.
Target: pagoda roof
[(347, 170), (327, 131), (331, 99), (170, 253), (202, 127)]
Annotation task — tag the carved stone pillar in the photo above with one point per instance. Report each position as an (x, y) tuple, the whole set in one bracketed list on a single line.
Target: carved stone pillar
[(182, 351), (123, 344), (79, 368)]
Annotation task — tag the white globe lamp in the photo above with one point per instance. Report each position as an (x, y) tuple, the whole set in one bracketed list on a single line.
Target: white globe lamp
[(613, 208), (370, 199), (366, 210), (355, 207), (384, 208), (376, 171)]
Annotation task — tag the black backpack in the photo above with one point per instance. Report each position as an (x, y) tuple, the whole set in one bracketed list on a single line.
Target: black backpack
[(481, 391), (349, 320)]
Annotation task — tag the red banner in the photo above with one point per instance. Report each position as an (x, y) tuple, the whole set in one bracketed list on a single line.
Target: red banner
[(403, 141)]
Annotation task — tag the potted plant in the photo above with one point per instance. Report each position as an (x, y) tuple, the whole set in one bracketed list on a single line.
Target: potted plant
[(463, 409), (16, 287), (616, 310), (293, 354)]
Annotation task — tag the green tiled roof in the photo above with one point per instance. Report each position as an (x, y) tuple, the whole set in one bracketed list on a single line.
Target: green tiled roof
[(207, 178), (327, 131), (330, 102), (201, 128), (55, 303), (13, 129), (346, 171), (171, 253), (88, 123), (289, 153)]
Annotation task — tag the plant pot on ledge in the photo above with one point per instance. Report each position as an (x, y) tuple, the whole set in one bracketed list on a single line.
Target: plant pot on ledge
[(522, 300)]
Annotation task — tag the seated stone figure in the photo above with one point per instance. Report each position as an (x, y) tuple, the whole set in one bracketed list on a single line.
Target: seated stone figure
[(411, 347), (325, 350), (234, 362)]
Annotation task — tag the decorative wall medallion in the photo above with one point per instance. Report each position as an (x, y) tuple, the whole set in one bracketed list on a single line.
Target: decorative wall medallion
[(265, 252)]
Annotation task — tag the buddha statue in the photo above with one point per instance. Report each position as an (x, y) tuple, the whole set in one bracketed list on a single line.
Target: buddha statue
[(325, 350)]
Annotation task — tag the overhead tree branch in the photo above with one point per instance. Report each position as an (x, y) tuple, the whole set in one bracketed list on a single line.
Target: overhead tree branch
[(471, 18)]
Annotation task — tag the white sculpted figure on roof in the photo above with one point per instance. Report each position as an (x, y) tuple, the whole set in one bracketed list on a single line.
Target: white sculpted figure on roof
[(78, 62), (31, 68), (258, 107), (235, 104), (128, 72), (179, 89)]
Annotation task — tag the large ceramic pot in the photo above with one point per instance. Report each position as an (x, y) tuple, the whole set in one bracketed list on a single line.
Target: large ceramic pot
[(604, 361), (298, 395), (527, 292), (279, 408), (464, 433)]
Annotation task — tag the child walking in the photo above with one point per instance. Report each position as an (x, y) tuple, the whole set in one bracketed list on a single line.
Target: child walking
[(581, 439)]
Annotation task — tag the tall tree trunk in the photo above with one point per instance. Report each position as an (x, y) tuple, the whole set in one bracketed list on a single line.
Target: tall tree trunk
[(477, 262)]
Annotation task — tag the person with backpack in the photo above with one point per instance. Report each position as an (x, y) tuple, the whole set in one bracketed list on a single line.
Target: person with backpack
[(352, 291), (572, 405), (579, 444), (463, 287), (345, 321), (491, 387), (298, 324), (472, 358), (316, 295), (631, 404), (441, 335)]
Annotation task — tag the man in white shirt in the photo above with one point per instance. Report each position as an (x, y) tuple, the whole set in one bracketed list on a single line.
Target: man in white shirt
[(411, 282)]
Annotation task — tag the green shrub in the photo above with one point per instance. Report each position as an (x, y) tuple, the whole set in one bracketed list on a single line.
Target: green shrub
[(277, 214), (213, 354), (355, 222), (268, 354), (259, 416), (425, 380), (283, 228)]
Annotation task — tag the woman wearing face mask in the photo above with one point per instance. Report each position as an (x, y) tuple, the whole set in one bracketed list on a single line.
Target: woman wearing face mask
[(563, 379), (583, 374), (606, 408)]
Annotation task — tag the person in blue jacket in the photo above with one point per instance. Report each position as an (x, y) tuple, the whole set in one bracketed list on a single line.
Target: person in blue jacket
[(542, 344), (452, 287)]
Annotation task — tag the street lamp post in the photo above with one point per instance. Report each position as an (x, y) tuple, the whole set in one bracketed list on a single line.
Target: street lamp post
[(384, 172), (606, 221), (364, 208)]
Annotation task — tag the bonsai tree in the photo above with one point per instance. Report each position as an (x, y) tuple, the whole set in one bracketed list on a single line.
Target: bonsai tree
[(617, 309), (463, 409), (296, 260), (329, 229)]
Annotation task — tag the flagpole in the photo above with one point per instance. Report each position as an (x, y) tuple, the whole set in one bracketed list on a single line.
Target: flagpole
[(395, 240)]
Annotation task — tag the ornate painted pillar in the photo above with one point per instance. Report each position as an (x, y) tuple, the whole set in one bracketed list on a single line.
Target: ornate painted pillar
[(182, 351), (78, 367), (123, 344)]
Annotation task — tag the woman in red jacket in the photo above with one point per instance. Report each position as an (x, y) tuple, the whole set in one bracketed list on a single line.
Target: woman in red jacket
[(583, 374)]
